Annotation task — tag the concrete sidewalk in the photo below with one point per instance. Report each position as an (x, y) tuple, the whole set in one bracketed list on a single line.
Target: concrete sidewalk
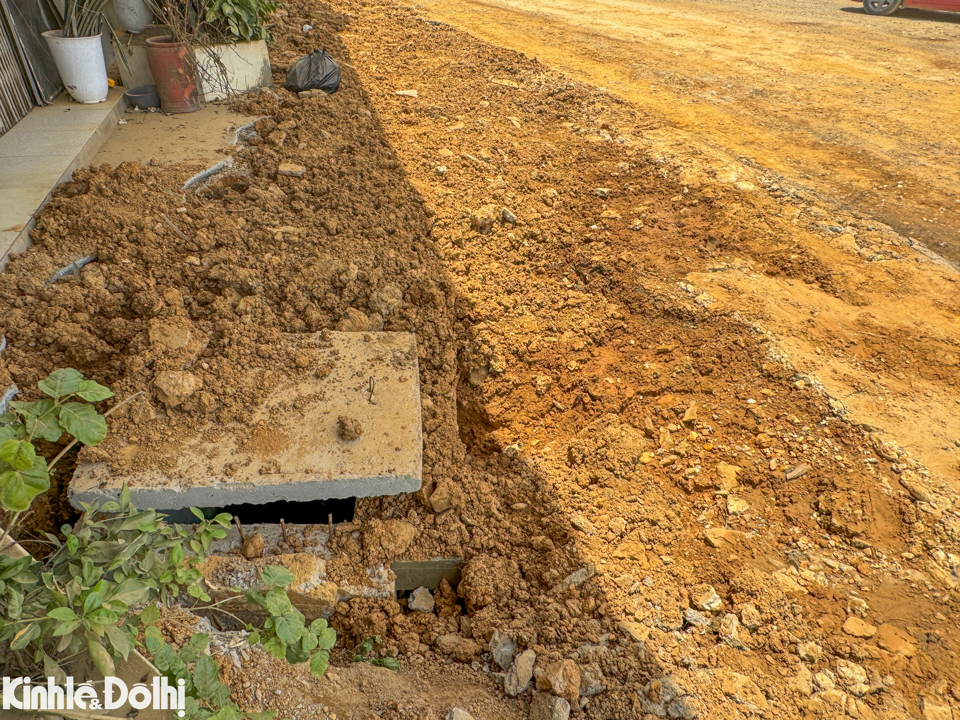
[(43, 150)]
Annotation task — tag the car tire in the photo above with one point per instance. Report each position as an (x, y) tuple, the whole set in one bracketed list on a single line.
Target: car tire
[(881, 7)]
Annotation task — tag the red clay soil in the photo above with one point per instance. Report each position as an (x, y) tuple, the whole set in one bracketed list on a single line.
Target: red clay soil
[(603, 441)]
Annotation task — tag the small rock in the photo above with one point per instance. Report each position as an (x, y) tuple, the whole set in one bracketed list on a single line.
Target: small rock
[(395, 536), (750, 617), (548, 707), (704, 597), (809, 652), (729, 631), (421, 600), (483, 219), (804, 681), (458, 714), (253, 547), (717, 537), (349, 428), (508, 217), (384, 300), (690, 416), (602, 192), (736, 505), (291, 170), (354, 320), (796, 471), (591, 680), (518, 677), (636, 631), (175, 386), (462, 649), (853, 677), (576, 578), (171, 333), (858, 628), (696, 618), (728, 477), (502, 649), (442, 497), (562, 679), (911, 483)]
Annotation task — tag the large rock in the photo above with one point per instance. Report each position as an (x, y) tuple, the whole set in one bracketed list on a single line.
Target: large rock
[(518, 677), (174, 386), (562, 678), (896, 640), (549, 707)]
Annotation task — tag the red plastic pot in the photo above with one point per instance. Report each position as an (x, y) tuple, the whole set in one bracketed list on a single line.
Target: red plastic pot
[(174, 71)]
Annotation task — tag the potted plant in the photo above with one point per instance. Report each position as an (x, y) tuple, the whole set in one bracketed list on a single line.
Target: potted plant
[(78, 53), (227, 40)]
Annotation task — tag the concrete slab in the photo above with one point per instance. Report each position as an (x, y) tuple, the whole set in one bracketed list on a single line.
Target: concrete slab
[(40, 152), (293, 447)]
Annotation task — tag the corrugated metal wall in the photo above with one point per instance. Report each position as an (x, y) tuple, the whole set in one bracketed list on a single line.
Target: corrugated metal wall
[(28, 75), (15, 96)]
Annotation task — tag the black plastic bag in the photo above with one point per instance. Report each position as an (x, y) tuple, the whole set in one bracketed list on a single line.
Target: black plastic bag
[(316, 71)]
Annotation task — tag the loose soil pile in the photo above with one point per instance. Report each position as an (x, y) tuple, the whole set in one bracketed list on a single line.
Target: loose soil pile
[(637, 479)]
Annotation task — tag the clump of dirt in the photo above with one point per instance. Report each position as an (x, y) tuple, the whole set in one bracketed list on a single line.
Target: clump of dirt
[(637, 483)]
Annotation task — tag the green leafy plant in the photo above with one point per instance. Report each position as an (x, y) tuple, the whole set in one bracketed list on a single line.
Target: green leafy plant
[(113, 558), (24, 474), (82, 595), (285, 632), (242, 19), (365, 654), (206, 697)]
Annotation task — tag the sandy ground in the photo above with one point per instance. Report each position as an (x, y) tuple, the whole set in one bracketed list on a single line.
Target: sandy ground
[(198, 137), (852, 106)]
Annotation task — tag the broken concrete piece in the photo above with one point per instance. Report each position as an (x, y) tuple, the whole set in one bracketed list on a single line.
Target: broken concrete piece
[(289, 448)]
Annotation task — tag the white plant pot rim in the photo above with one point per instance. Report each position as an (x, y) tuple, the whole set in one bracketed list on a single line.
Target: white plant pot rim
[(58, 35)]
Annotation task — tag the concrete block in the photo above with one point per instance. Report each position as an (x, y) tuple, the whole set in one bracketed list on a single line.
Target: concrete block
[(298, 453)]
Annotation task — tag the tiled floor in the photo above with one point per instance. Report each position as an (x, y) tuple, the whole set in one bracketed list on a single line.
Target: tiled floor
[(43, 150)]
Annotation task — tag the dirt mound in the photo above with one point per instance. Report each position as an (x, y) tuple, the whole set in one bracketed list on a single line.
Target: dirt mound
[(636, 481)]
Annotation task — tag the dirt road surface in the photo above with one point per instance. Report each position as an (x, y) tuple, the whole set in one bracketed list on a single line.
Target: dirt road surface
[(690, 423), (821, 105), (858, 108)]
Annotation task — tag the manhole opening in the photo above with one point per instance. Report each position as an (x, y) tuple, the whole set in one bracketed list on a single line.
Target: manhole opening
[(310, 512), (427, 574)]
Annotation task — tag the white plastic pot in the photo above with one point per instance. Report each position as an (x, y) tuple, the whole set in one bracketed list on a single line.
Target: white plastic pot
[(134, 15), (81, 66)]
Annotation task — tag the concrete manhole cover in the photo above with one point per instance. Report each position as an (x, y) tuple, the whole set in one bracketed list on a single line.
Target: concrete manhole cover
[(352, 430)]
